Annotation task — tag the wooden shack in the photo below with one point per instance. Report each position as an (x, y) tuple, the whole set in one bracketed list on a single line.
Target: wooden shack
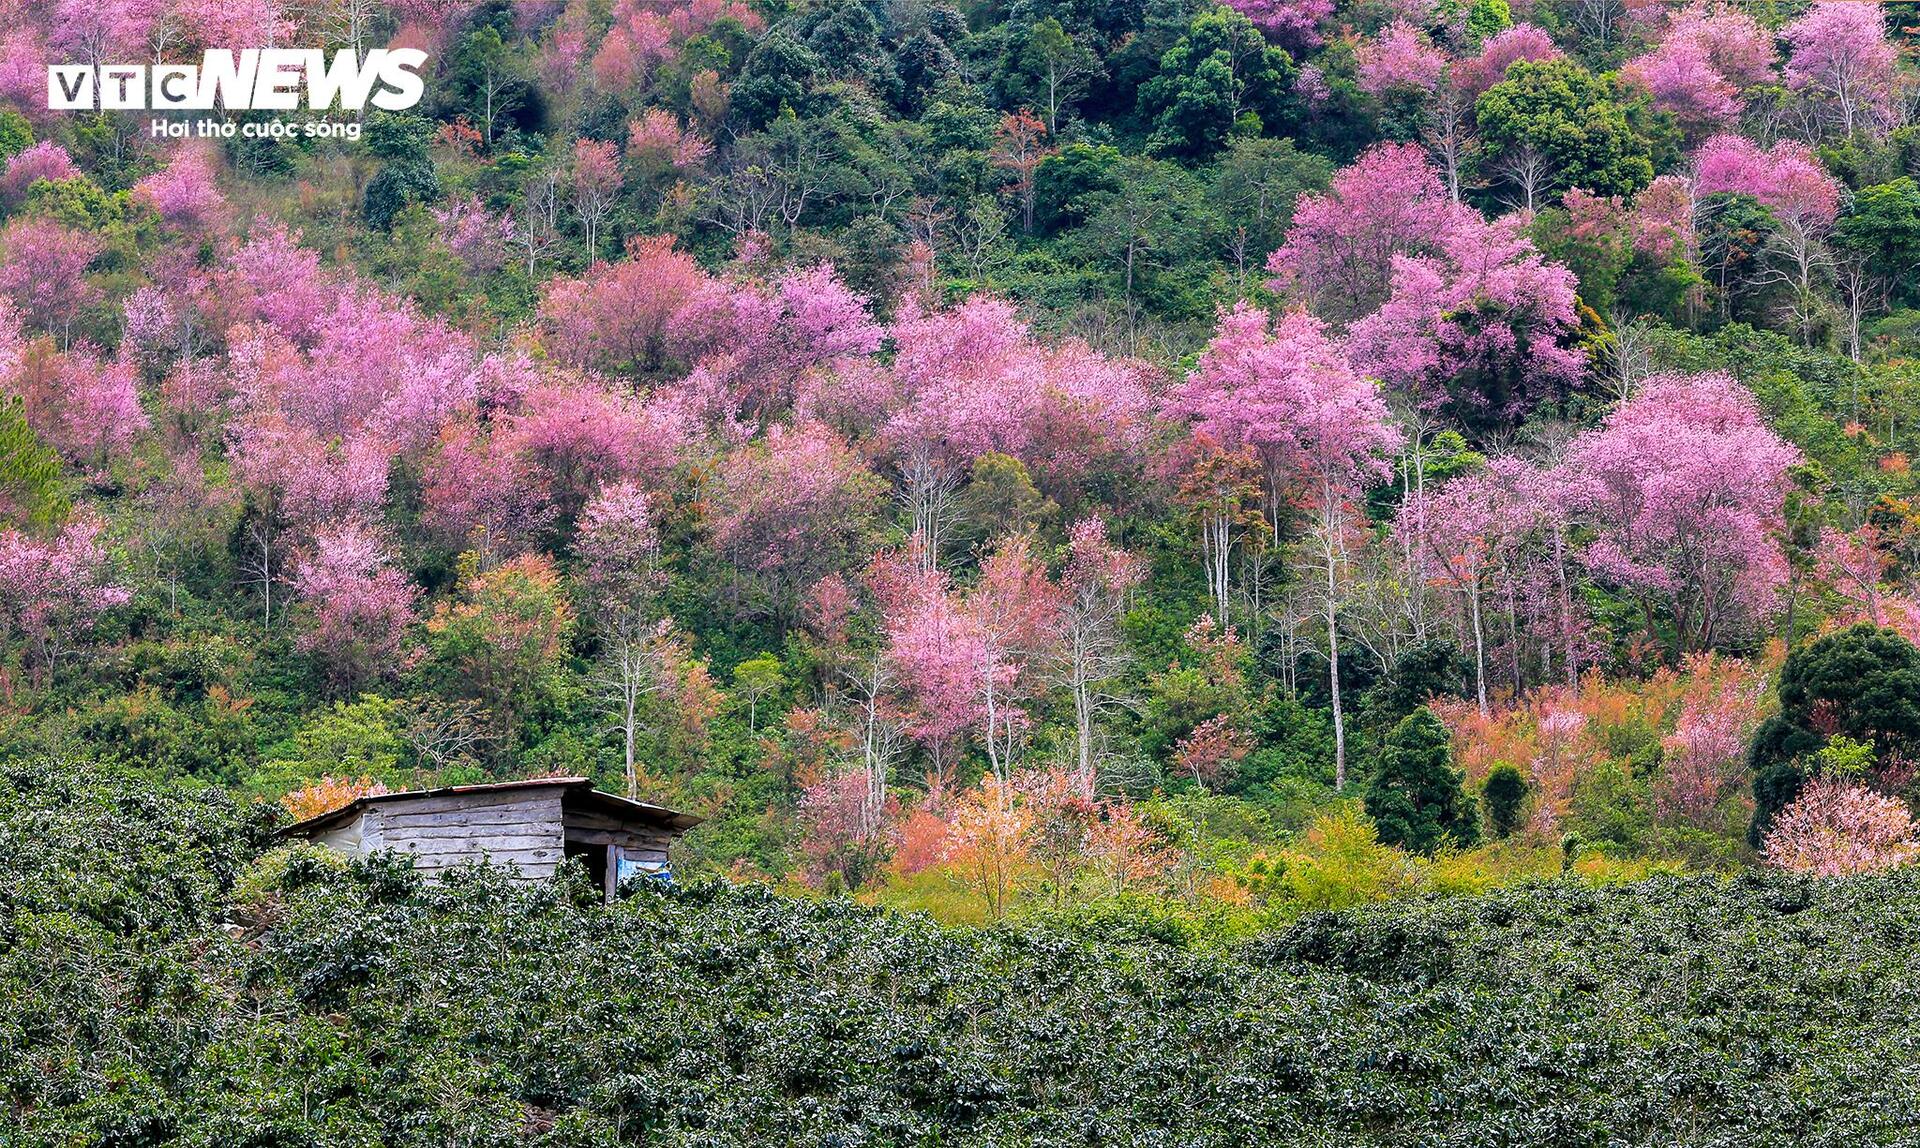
[(534, 825)]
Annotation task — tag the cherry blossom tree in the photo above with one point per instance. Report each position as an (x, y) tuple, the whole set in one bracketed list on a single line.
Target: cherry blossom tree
[(1681, 79), (1840, 56), (1481, 329), (183, 193), (1294, 23), (1796, 188), (86, 407), (1339, 253), (271, 278), (1838, 829), (1683, 488), (622, 316), (595, 183), (54, 591), (793, 508), (1401, 57), (619, 551), (1286, 390), (45, 160), (575, 437), (1501, 51), (1097, 583), (1320, 430), (359, 605), (1705, 756), (43, 270)]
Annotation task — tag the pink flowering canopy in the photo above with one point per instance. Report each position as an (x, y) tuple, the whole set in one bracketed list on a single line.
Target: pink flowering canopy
[(1288, 391), (1788, 178), (1401, 57), (1481, 329), (1339, 253), (1683, 488)]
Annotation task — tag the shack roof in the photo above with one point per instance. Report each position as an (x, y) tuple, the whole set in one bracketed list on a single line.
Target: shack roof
[(576, 793)]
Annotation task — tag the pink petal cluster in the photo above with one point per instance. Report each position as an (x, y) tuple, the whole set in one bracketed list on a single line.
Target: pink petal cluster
[(1834, 829)]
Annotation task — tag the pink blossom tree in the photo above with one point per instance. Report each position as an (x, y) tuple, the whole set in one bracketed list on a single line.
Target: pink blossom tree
[(1705, 756), (183, 193), (1400, 58), (358, 605), (575, 437), (1339, 253), (793, 509), (480, 492), (594, 178), (1481, 329), (1321, 432), (43, 270), (45, 160), (1501, 51), (1837, 829), (53, 592), (1681, 79), (1683, 488), (1097, 585), (619, 552), (1294, 23), (272, 278), (1841, 57), (1797, 189), (624, 315), (1286, 390)]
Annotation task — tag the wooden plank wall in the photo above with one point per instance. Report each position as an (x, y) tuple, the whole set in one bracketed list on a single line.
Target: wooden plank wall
[(522, 827)]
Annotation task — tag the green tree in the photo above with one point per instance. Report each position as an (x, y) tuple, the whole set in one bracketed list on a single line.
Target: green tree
[(779, 73), (1862, 683), (1252, 192), (1001, 499), (1552, 125), (16, 134), (755, 680), (1505, 791), (30, 492), (1881, 227), (1415, 797), (1220, 80)]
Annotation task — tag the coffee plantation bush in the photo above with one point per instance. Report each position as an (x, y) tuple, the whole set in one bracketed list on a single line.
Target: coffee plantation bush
[(142, 1004)]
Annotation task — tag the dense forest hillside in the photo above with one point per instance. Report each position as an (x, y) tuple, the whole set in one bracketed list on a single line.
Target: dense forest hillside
[(985, 458), (334, 1005)]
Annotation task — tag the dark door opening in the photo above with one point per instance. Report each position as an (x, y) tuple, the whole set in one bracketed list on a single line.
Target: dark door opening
[(594, 857)]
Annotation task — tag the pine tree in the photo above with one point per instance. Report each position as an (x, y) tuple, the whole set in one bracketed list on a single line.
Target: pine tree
[(1415, 797)]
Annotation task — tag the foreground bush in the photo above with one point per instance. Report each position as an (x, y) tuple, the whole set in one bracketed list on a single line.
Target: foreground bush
[(352, 1005)]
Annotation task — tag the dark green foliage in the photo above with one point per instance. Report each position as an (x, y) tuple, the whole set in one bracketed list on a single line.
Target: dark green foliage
[(1569, 117), (1862, 683), (352, 1004), (399, 185), (1882, 226), (29, 472), (780, 74), (1505, 791), (1415, 796), (16, 134), (1222, 79)]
